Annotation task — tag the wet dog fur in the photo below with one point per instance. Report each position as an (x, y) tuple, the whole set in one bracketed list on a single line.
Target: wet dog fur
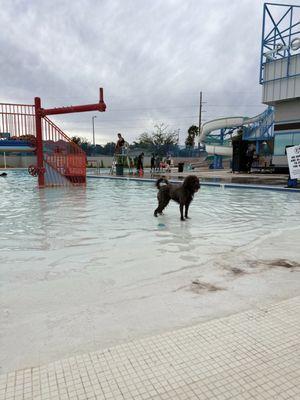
[(183, 194)]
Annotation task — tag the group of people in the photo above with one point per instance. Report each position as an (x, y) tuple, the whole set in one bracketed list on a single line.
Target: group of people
[(138, 162), (156, 161)]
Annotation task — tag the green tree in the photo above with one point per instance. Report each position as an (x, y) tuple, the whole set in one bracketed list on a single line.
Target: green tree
[(77, 140), (81, 141), (192, 132), (109, 148), (160, 140), (86, 146)]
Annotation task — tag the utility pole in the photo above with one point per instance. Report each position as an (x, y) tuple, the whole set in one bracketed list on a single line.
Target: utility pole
[(200, 116), (200, 112)]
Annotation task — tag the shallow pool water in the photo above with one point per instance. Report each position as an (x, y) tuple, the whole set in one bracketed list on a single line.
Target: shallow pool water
[(86, 267), (97, 217)]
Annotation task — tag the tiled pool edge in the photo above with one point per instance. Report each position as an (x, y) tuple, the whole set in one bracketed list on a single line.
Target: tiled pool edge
[(203, 183), (241, 356)]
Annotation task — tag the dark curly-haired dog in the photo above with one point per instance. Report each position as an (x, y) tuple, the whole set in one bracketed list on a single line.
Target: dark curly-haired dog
[(182, 194)]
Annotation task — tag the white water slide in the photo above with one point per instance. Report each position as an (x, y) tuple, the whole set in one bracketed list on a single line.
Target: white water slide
[(222, 123)]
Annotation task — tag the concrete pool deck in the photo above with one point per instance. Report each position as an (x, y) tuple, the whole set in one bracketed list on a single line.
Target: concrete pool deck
[(224, 176), (217, 177), (250, 355)]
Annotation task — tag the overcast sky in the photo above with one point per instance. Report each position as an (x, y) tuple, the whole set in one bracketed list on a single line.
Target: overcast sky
[(151, 57)]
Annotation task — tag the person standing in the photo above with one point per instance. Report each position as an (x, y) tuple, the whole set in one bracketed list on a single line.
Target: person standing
[(168, 162), (152, 161), (120, 144), (140, 164), (250, 156), (157, 163)]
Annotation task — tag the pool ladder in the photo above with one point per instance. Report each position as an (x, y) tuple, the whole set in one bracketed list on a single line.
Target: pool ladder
[(125, 157)]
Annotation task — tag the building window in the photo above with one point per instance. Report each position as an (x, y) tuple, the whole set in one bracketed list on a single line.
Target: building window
[(296, 139), (282, 140)]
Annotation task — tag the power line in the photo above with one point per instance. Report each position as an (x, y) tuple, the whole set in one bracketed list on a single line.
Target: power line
[(88, 127), (189, 106), (104, 121), (117, 128), (145, 119), (177, 94)]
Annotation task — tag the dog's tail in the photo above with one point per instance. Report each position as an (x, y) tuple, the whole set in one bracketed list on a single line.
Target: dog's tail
[(161, 182)]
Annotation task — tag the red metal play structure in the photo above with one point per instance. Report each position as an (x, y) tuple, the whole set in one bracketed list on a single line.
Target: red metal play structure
[(60, 162)]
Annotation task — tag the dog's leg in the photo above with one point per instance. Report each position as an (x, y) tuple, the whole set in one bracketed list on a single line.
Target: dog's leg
[(187, 210), (181, 211), (161, 206), (157, 211)]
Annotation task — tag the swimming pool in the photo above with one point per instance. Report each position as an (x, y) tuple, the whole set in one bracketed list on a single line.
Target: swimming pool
[(84, 268)]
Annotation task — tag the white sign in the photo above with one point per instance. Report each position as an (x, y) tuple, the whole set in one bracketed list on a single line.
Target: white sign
[(293, 156), (294, 46)]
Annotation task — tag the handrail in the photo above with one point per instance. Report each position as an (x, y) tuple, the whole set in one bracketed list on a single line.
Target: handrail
[(18, 122)]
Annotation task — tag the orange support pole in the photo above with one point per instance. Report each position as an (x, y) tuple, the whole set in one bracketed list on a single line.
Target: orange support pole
[(39, 141), (41, 113)]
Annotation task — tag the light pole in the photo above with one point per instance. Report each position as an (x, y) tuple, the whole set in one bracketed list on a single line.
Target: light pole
[(178, 139), (93, 120)]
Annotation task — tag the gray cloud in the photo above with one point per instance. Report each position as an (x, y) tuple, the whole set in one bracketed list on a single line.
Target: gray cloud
[(152, 58)]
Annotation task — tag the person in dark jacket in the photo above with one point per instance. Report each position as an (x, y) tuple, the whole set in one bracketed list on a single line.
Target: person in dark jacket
[(157, 163), (152, 161), (120, 144), (250, 156), (140, 163)]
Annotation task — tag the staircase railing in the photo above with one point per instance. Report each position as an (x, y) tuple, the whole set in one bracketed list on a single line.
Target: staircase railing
[(262, 129), (62, 154), (17, 121), (66, 158)]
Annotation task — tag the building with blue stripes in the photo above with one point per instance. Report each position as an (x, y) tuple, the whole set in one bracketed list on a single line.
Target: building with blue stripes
[(280, 75)]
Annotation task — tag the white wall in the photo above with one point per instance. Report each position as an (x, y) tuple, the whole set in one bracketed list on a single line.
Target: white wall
[(287, 111), (15, 161), (285, 88)]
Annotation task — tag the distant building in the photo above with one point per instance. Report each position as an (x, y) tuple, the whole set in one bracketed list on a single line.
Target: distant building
[(280, 75)]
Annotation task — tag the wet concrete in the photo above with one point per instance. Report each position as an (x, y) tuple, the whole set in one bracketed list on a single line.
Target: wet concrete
[(226, 176), (217, 176)]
